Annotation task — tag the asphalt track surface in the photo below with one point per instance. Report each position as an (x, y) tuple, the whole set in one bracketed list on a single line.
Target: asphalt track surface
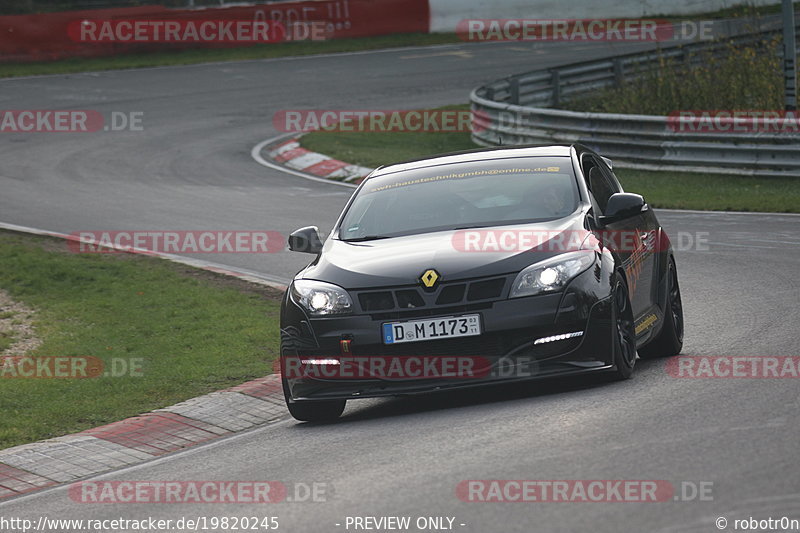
[(191, 169)]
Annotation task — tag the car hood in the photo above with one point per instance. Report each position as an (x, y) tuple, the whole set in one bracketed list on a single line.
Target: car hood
[(402, 260)]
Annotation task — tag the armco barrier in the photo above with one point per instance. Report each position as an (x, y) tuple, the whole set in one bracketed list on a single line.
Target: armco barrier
[(516, 110), (46, 36)]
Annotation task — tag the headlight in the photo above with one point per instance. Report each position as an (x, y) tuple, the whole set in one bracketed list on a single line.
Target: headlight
[(320, 298), (550, 275)]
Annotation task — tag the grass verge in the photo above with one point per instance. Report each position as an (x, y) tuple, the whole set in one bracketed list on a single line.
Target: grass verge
[(6, 340), (676, 190), (189, 331), (206, 55)]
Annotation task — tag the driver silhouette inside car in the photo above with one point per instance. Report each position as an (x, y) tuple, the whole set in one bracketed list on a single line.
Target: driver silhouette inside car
[(543, 201)]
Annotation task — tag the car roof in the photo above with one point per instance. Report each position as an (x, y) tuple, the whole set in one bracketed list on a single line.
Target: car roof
[(479, 154)]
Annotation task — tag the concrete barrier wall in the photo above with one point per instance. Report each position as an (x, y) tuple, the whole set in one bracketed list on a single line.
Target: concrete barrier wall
[(445, 14), (51, 36)]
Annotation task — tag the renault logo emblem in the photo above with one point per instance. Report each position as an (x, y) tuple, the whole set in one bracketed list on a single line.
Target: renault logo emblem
[(429, 278)]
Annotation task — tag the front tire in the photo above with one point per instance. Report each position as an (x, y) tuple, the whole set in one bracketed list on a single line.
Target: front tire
[(624, 342), (313, 410), (669, 340)]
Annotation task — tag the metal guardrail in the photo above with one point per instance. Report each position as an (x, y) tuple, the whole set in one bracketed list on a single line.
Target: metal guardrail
[(518, 110)]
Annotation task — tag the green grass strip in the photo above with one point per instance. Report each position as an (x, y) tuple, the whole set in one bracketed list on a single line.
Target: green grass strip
[(191, 332)]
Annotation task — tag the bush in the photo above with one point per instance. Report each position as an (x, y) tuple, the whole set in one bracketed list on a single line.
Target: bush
[(745, 78)]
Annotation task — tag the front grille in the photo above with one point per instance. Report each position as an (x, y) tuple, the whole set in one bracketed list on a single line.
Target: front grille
[(376, 301), (451, 294), (432, 311), (484, 290), (409, 298), (417, 301)]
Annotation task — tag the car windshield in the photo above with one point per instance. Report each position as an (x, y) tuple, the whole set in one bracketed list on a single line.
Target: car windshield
[(465, 195)]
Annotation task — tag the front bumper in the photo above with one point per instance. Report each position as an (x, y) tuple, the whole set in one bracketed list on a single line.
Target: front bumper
[(506, 346)]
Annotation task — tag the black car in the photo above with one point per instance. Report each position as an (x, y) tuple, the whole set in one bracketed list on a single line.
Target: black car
[(475, 268)]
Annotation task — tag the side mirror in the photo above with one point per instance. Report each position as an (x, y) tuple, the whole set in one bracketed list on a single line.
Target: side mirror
[(305, 240), (623, 205)]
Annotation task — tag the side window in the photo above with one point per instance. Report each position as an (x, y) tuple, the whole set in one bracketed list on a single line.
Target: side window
[(611, 177), (597, 182), (586, 165), (615, 182)]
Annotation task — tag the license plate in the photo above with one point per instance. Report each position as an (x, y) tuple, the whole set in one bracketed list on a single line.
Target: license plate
[(431, 329)]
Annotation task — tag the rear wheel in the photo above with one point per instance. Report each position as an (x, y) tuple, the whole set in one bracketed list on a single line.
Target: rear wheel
[(669, 340), (624, 342), (315, 410)]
